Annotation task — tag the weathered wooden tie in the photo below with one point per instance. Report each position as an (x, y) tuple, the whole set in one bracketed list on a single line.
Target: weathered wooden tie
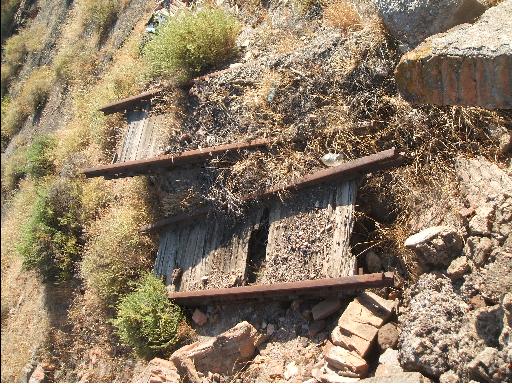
[(156, 164), (352, 168), (321, 287)]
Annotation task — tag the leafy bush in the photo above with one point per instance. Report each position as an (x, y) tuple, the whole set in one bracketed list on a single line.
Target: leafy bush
[(193, 42), (50, 240), (32, 96), (147, 320), (116, 253)]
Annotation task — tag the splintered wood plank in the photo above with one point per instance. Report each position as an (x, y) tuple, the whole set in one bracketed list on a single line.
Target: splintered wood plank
[(309, 235), (215, 247)]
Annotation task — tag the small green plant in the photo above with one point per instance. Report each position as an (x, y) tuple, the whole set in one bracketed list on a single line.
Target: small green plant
[(50, 240), (193, 42), (39, 158), (147, 320)]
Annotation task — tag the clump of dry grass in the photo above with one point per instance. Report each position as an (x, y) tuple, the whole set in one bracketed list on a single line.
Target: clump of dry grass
[(31, 98), (342, 15)]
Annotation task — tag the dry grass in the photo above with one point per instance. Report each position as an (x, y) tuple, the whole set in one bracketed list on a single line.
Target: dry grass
[(342, 15), (31, 98), (23, 294)]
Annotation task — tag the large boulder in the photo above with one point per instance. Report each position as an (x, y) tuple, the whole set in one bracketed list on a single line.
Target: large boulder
[(470, 64), (410, 22)]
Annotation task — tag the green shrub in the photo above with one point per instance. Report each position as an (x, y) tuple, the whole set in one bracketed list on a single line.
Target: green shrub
[(193, 42), (116, 253), (39, 161), (50, 240), (13, 169), (147, 320)]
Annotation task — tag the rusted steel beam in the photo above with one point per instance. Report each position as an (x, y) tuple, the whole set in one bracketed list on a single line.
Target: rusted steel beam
[(139, 167), (124, 104), (352, 168), (321, 287)]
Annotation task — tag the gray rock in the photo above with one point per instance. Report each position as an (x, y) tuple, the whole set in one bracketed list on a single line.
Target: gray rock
[(436, 246), (430, 326), (458, 267), (387, 337), (470, 64), (410, 22), (494, 280)]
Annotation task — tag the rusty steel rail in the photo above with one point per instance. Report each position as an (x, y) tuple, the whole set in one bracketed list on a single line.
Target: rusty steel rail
[(321, 287), (146, 166), (353, 168), (124, 104)]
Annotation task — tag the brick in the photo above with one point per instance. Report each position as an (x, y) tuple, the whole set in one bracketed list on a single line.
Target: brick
[(325, 308), (345, 360)]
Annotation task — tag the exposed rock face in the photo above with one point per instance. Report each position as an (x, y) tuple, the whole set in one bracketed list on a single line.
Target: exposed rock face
[(222, 354), (410, 22), (471, 64), (436, 246)]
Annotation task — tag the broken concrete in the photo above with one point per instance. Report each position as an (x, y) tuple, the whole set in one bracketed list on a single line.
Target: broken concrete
[(389, 370), (436, 246), (458, 267), (410, 22), (470, 64), (236, 346)]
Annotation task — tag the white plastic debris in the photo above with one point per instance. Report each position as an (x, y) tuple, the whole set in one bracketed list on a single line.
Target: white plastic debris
[(332, 159)]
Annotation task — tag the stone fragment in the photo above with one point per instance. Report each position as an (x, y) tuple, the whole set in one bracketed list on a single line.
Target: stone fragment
[(291, 370), (478, 249), (458, 267), (275, 369), (505, 338), (480, 224), (199, 317), (388, 364), (449, 377), (325, 308), (436, 246), (236, 346), (343, 359), (479, 366), (270, 329), (505, 143), (373, 262), (325, 374), (410, 22), (316, 327), (387, 337), (159, 370), (368, 308), (404, 377), (470, 64), (38, 376), (351, 342)]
